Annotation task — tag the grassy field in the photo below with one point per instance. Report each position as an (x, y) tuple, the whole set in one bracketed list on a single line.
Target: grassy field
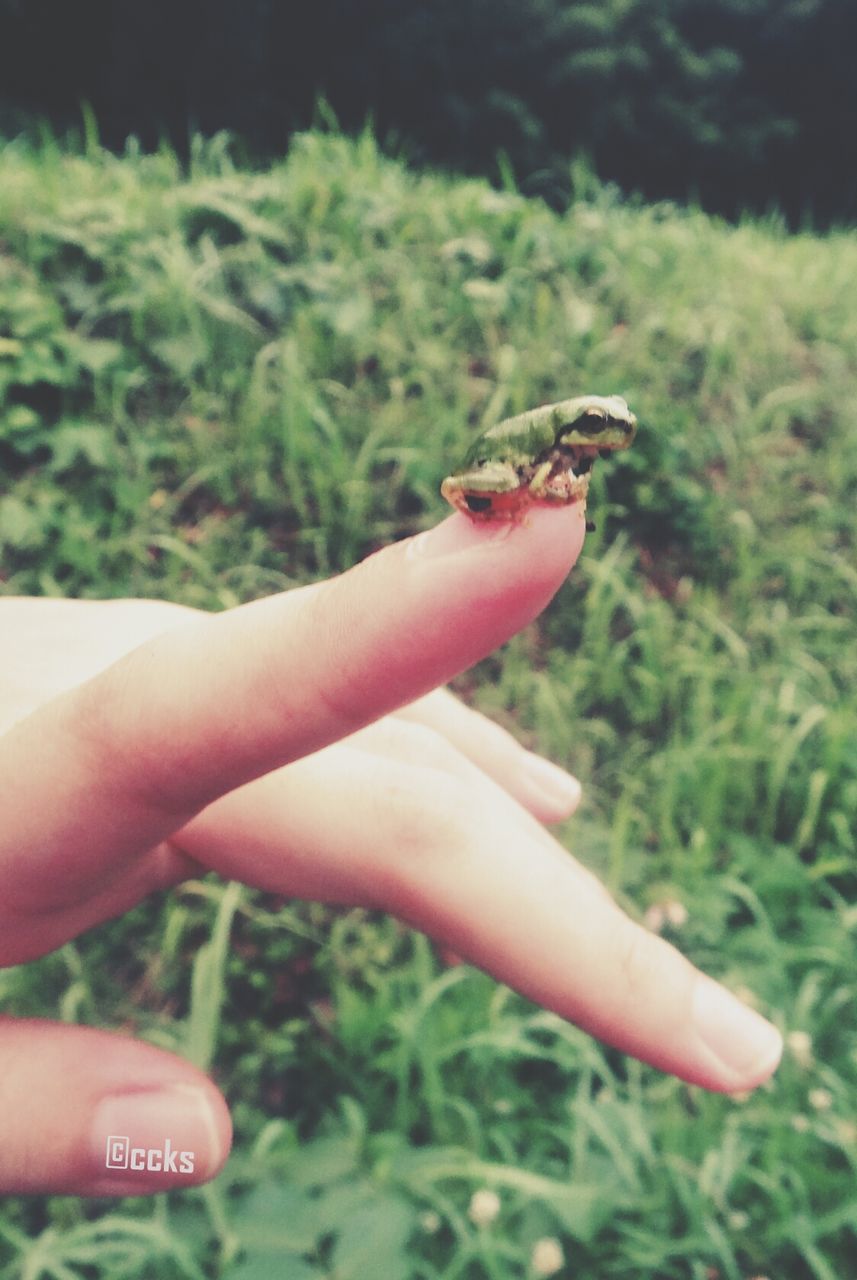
[(216, 384)]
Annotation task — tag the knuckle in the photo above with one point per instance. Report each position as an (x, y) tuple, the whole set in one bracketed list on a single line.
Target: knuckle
[(411, 742), (428, 828), (104, 723), (428, 819), (429, 747)]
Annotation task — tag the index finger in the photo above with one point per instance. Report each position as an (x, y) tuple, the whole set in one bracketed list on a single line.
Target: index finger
[(117, 764)]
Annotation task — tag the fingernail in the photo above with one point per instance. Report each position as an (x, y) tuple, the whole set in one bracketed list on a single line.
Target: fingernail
[(158, 1138), (455, 534), (552, 784), (458, 533), (746, 1044)]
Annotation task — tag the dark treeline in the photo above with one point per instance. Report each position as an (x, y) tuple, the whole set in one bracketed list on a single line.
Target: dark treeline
[(739, 103)]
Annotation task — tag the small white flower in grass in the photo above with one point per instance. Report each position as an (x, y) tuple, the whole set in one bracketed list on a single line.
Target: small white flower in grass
[(676, 913), (846, 1132), (654, 917), (820, 1099), (548, 1257), (484, 1207), (800, 1123), (668, 912), (430, 1222), (483, 290), (799, 1045)]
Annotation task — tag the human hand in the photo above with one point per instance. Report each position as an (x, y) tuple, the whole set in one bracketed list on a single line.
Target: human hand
[(295, 744)]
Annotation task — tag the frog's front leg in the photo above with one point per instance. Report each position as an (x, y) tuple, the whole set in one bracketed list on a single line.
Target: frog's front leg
[(539, 486), (554, 481)]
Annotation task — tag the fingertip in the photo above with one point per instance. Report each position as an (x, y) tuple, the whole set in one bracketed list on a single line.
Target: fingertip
[(473, 584), (143, 1142), (741, 1048), (90, 1112)]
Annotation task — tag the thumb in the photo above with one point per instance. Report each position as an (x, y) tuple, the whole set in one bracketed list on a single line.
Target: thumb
[(91, 1113)]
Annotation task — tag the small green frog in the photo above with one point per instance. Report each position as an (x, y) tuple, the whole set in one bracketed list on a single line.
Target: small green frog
[(542, 456)]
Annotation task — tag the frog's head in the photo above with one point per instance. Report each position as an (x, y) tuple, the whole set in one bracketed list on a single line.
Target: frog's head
[(594, 423)]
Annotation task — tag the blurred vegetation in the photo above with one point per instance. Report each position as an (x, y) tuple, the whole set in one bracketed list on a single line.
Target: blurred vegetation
[(738, 103), (216, 382)]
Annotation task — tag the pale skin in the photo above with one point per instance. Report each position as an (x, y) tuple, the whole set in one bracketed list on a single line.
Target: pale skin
[(303, 744)]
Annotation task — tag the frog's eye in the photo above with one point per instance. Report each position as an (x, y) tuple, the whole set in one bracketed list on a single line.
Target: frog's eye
[(477, 504)]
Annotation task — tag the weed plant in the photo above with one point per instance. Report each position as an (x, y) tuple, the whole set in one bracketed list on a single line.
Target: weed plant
[(217, 383)]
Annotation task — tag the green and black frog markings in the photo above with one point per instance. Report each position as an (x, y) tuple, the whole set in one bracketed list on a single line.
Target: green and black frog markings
[(543, 457)]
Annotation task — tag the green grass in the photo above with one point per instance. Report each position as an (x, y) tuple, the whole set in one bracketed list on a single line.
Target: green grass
[(217, 384)]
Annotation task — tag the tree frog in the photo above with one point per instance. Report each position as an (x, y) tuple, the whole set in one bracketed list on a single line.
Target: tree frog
[(542, 456)]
